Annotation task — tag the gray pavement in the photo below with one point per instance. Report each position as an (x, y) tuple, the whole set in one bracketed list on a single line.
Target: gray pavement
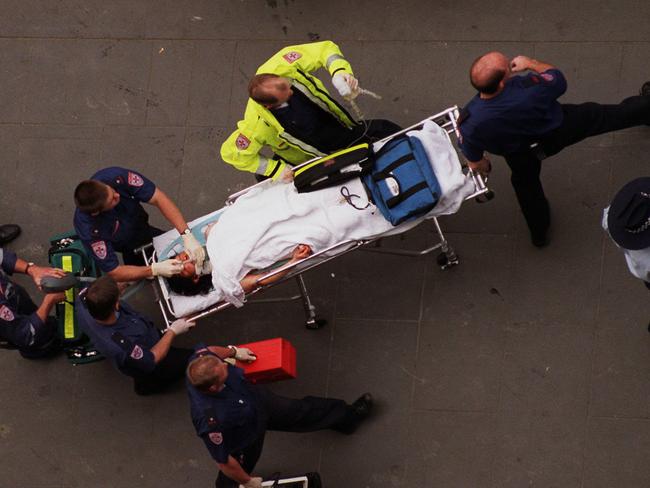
[(520, 367)]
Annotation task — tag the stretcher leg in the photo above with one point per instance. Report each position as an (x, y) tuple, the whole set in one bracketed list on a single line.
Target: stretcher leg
[(447, 257), (310, 310)]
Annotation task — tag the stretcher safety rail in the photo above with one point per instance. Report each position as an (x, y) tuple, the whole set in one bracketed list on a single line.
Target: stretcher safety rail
[(446, 119)]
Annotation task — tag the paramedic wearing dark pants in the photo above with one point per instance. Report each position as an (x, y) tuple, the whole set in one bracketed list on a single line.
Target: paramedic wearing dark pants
[(519, 118), (109, 218), (23, 325), (232, 416), (132, 342), (291, 112)]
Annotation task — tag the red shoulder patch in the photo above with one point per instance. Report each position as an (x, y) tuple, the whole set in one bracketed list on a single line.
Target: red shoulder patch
[(137, 352), (99, 248), (6, 314), (216, 438), (135, 179), (292, 56), (548, 77), (242, 142)]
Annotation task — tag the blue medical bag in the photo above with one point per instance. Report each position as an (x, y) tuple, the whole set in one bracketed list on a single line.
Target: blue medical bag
[(402, 183)]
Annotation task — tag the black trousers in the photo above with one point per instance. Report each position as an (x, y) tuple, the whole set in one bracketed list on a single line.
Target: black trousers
[(289, 415), (167, 372), (367, 131), (579, 122), (145, 236)]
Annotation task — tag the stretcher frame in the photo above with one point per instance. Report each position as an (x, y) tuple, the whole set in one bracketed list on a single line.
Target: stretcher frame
[(447, 119)]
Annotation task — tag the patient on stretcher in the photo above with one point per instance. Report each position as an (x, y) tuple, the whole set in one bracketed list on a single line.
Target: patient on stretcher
[(272, 222)]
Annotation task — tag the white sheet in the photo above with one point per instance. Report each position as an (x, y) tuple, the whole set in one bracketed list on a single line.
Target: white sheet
[(266, 224)]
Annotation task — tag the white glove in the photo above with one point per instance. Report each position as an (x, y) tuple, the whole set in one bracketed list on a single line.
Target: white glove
[(346, 84), (195, 250), (253, 483), (167, 268), (181, 326), (244, 354)]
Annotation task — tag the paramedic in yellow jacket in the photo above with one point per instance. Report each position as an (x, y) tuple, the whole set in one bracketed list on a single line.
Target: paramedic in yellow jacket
[(291, 111)]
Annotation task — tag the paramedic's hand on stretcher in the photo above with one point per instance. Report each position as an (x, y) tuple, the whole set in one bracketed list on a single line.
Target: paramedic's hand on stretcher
[(253, 483), (195, 250), (484, 166), (39, 272), (167, 268), (346, 84), (181, 326)]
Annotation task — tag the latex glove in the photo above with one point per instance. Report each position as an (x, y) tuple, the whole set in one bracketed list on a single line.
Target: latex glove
[(181, 326), (194, 249), (346, 84), (167, 268), (244, 354), (253, 483)]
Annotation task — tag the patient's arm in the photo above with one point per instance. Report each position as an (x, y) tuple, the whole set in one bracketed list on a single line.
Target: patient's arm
[(249, 283)]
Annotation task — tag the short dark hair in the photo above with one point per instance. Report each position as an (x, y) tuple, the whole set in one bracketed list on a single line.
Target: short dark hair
[(490, 84), (90, 196), (256, 91), (187, 287), (101, 297)]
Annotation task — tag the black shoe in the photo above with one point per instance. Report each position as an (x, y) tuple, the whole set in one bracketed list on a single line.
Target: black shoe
[(8, 233), (540, 240), (645, 89), (362, 406), (357, 412)]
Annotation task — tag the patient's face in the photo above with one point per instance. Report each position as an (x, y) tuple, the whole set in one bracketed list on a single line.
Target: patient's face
[(189, 270)]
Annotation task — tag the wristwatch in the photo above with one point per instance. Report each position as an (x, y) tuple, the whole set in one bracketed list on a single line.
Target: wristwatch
[(234, 351), (187, 231), (29, 265)]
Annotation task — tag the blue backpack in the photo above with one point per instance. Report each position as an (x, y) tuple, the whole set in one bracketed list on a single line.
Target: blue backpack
[(402, 183)]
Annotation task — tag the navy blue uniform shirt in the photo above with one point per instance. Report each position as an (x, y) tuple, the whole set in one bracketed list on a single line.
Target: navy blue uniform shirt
[(127, 342), (525, 109), (20, 330), (121, 228), (230, 420)]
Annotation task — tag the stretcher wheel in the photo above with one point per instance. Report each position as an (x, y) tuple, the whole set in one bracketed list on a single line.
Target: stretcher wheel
[(444, 262), (486, 197), (315, 323)]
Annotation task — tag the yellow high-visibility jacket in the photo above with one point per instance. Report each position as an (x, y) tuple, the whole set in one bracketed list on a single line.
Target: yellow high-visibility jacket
[(260, 128)]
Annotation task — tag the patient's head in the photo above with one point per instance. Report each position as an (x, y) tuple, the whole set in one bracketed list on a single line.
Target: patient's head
[(188, 283), (189, 268)]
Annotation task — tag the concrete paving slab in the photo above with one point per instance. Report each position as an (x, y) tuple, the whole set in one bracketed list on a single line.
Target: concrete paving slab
[(539, 450), (615, 453), (171, 71), (454, 449), (87, 82)]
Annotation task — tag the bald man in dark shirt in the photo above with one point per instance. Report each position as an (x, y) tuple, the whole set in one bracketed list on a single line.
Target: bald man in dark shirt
[(519, 118)]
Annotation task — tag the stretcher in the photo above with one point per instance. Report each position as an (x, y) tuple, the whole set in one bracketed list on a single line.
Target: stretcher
[(171, 305)]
